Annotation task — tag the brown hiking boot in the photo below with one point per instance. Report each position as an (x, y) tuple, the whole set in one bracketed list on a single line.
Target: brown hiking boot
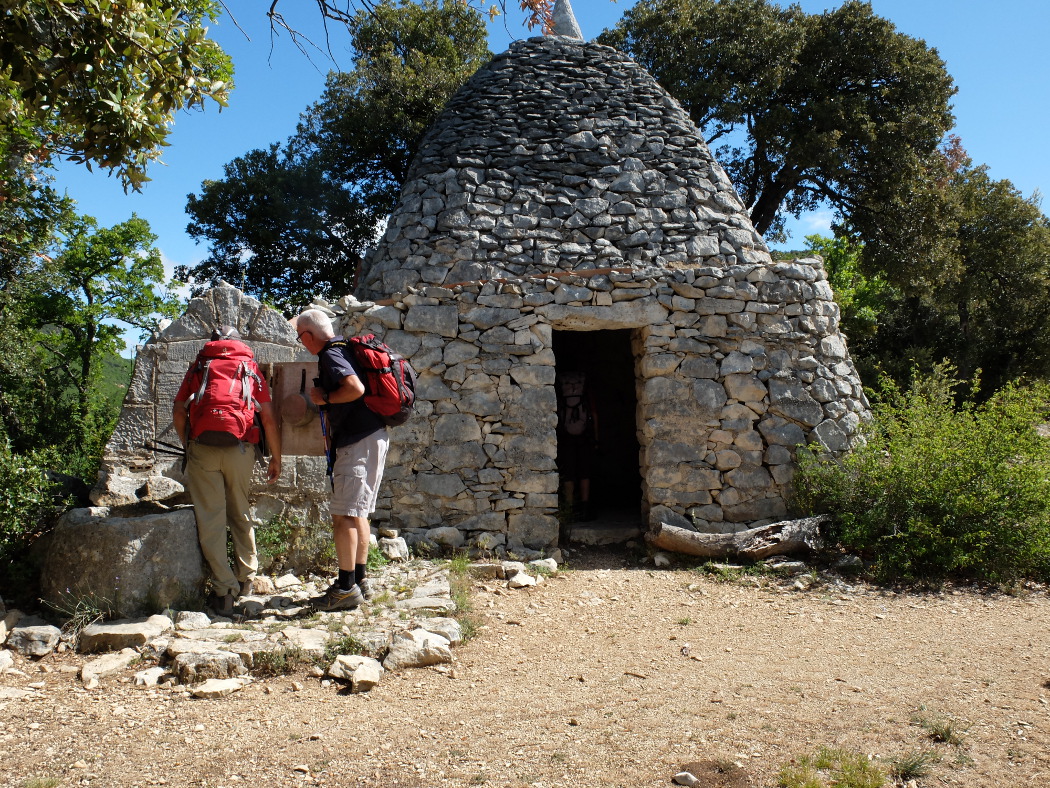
[(221, 604)]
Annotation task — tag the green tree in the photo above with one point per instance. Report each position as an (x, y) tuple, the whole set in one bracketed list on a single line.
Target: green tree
[(991, 312), (288, 223), (66, 327), (835, 108), (101, 277), (279, 227), (860, 297), (98, 81), (982, 302)]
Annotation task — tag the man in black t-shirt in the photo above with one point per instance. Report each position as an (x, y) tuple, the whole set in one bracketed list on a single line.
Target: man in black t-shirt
[(358, 441)]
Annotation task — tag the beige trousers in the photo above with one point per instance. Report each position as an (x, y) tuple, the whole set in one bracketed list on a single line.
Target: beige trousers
[(219, 480)]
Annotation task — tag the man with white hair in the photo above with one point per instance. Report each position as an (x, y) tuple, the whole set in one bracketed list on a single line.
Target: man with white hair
[(358, 440)]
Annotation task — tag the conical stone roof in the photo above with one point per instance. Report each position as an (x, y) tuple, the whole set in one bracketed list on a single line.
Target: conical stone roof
[(559, 155)]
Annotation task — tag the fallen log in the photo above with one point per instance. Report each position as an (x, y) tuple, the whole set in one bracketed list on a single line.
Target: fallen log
[(783, 538)]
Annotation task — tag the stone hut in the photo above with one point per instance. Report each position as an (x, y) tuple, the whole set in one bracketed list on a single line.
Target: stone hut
[(563, 213)]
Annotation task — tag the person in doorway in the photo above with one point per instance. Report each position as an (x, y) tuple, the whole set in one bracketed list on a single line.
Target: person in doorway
[(357, 444), (577, 440), (214, 416)]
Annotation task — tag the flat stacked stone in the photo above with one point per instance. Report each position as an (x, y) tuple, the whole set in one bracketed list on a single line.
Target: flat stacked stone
[(737, 366), (560, 155)]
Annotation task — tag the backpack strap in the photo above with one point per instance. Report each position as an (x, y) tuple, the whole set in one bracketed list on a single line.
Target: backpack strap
[(203, 367)]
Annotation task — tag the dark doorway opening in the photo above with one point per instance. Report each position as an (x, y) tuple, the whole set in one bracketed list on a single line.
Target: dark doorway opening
[(608, 363)]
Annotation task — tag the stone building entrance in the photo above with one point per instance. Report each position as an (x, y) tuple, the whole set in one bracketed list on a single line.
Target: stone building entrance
[(616, 485)]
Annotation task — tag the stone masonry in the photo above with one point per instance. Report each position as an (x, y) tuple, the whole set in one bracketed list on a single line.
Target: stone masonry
[(735, 367), (561, 190)]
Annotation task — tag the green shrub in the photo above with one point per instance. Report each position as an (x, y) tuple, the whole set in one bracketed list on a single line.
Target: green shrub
[(942, 489), (290, 543), (25, 501), (832, 767), (280, 662), (376, 560)]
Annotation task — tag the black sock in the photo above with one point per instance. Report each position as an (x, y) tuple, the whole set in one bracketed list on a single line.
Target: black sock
[(359, 572), (346, 579)]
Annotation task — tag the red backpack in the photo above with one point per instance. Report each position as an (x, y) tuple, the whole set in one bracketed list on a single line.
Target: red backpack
[(390, 381), (222, 406)]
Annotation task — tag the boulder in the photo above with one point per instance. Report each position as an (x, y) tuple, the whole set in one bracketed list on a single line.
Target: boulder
[(125, 633), (136, 564)]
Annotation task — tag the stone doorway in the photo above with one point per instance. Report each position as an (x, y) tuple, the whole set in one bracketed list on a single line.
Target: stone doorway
[(607, 358)]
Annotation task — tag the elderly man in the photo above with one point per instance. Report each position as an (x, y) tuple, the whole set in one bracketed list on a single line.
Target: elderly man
[(358, 440)]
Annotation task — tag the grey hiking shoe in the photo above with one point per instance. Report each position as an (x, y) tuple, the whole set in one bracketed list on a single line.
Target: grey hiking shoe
[(336, 598), (366, 589)]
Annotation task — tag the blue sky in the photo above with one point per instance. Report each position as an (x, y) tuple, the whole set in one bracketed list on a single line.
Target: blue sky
[(994, 51)]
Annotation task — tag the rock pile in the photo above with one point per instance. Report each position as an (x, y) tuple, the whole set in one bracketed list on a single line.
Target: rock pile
[(407, 624)]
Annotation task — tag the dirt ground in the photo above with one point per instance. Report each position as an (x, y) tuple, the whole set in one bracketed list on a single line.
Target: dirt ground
[(609, 674)]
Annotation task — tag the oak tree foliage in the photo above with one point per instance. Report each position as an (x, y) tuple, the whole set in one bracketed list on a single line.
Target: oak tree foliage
[(837, 108), (292, 221), (98, 81)]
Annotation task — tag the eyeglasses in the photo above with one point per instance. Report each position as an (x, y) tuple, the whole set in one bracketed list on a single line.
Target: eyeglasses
[(300, 334)]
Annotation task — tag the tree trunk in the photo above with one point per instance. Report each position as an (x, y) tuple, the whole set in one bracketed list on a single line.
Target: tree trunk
[(783, 538)]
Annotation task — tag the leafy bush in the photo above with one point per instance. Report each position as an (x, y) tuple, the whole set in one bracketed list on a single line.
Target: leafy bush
[(25, 500), (942, 488)]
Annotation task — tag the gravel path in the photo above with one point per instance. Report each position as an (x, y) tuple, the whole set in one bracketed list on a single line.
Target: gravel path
[(608, 675)]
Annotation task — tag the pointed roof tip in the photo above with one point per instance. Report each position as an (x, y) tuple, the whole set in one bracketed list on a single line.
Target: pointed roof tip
[(563, 21)]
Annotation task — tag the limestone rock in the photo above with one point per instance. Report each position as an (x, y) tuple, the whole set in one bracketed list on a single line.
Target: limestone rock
[(437, 603), (191, 619), (448, 628), (394, 548), (196, 667), (521, 580), (107, 664), (127, 633), (363, 673), (7, 622), (311, 641), (417, 648), (487, 571), (149, 677), (219, 688), (137, 564), (34, 638)]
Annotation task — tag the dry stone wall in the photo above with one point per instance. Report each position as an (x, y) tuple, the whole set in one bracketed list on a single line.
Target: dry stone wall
[(133, 474), (560, 155), (735, 367)]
